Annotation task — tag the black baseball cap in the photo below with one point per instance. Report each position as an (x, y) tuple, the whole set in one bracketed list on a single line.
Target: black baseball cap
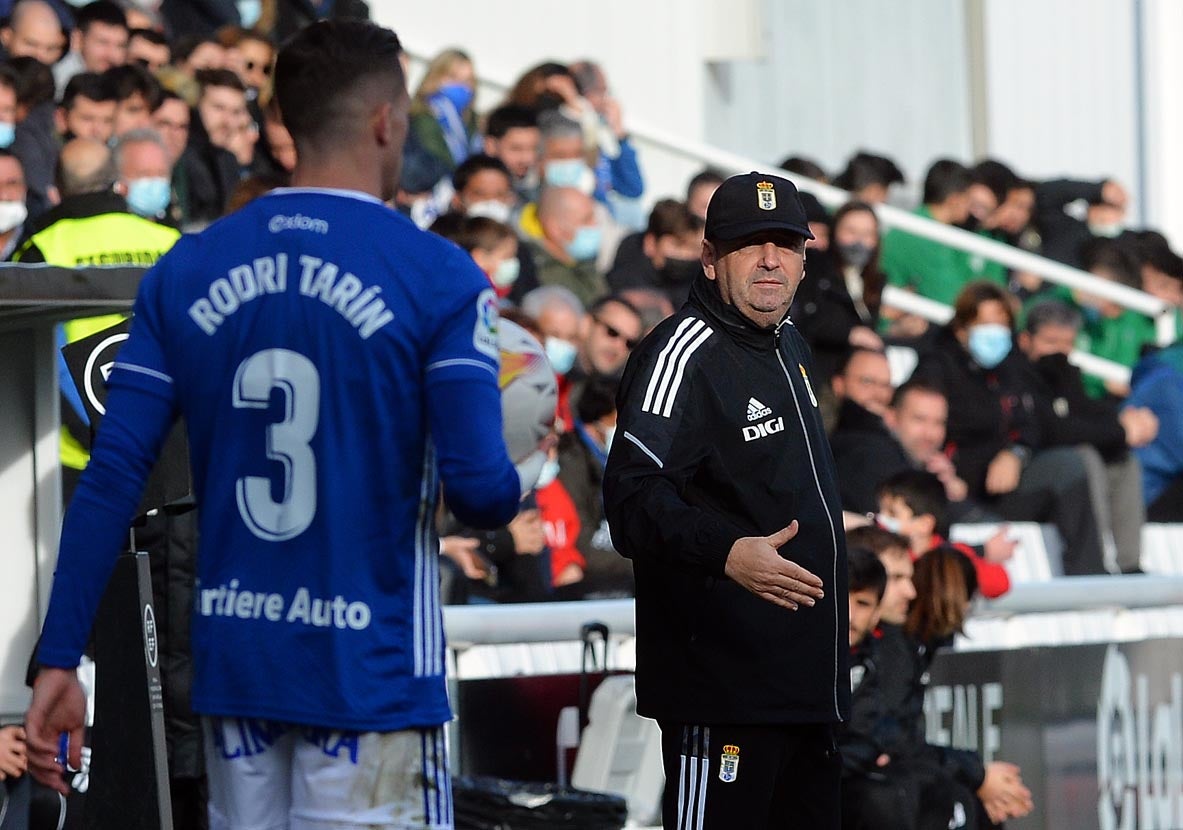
[(755, 202)]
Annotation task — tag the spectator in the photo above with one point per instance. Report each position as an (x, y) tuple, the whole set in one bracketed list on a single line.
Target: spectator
[(653, 306), (1158, 386), (251, 56), (1110, 331), (913, 504), (443, 121), (210, 166), (993, 436), (137, 95), (483, 187), (617, 170), (601, 572), (560, 317), (198, 20), (1064, 235), (565, 254), (700, 189), (869, 177), (931, 268), (35, 142), (149, 48), (142, 161), (837, 308), (806, 168), (171, 120), (275, 154), (491, 244), (8, 107), (87, 109), (33, 30), (863, 381), (99, 41), (511, 134), (286, 17), (611, 329), (892, 550), (665, 257), (1162, 273), (1101, 430), (192, 54), (13, 211)]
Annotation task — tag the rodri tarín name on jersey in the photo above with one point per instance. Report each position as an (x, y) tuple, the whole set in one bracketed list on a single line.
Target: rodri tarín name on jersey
[(228, 601), (356, 302)]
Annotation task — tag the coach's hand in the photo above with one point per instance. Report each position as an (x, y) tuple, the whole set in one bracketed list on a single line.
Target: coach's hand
[(755, 564), (59, 705)]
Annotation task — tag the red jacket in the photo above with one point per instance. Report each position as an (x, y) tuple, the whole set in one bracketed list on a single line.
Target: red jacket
[(561, 523), (993, 580)]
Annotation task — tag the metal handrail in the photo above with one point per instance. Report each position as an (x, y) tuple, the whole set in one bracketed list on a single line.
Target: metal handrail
[(893, 217)]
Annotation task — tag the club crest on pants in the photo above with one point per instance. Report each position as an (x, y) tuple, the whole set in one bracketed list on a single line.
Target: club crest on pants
[(729, 764)]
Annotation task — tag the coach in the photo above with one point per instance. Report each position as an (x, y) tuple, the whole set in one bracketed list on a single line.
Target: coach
[(720, 487)]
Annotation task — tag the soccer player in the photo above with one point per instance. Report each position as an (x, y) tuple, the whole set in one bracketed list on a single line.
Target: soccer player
[(333, 364)]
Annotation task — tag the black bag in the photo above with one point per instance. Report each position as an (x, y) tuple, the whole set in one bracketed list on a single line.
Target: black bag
[(496, 804)]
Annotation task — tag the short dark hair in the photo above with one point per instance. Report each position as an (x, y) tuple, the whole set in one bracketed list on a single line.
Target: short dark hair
[(1051, 313), (472, 232), (510, 117), (806, 167), (151, 35), (130, 78), (185, 45), (476, 164), (851, 353), (167, 95), (599, 304), (921, 491), (319, 69), (708, 175), (89, 85), (33, 81), (865, 572), (100, 11), (670, 217), (597, 398), (1114, 256), (995, 175), (219, 77), (865, 169), (875, 539), (916, 385), (970, 299), (944, 179)]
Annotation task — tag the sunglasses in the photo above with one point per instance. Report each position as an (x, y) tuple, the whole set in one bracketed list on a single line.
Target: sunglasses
[(617, 334), (251, 66)]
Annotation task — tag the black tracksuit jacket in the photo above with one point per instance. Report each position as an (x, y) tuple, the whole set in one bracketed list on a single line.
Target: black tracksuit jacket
[(719, 437)]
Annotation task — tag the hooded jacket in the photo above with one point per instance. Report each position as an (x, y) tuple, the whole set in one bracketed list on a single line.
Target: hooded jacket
[(719, 437)]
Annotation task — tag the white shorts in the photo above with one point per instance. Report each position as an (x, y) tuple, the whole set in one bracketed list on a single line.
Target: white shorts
[(275, 776)]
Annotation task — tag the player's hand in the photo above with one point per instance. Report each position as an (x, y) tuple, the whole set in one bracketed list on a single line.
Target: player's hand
[(756, 565), (13, 757), (528, 532), (1003, 793), (58, 705), (1003, 474), (999, 547)]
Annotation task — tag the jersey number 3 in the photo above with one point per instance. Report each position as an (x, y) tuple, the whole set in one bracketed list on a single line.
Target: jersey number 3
[(287, 442)]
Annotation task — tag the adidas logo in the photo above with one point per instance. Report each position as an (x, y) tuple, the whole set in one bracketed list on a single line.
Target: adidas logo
[(757, 410)]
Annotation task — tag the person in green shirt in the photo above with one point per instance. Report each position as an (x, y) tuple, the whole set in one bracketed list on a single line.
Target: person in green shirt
[(930, 268)]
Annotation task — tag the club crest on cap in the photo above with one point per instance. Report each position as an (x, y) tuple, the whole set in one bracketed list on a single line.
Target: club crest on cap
[(766, 195)]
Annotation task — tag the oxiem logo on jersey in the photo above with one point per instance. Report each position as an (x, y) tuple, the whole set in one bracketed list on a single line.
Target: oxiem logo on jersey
[(299, 222), (763, 430), (757, 410), (729, 764)]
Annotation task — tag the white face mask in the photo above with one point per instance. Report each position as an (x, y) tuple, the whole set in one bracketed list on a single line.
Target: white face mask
[(507, 272), (609, 434), (889, 523), (550, 471), (12, 214), (490, 209)]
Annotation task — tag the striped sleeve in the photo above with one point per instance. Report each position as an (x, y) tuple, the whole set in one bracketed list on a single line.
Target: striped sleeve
[(669, 370)]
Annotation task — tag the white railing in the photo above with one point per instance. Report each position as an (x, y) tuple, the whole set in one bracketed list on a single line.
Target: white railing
[(892, 217)]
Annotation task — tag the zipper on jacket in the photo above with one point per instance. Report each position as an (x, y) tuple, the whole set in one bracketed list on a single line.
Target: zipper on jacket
[(829, 515)]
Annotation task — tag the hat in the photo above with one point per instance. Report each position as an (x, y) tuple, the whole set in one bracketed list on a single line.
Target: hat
[(755, 202)]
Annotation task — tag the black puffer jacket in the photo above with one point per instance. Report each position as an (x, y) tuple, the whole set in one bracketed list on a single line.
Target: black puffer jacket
[(719, 437)]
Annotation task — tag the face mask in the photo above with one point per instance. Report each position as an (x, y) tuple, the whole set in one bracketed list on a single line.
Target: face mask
[(586, 243), (490, 209), (680, 271), (550, 471), (12, 214), (989, 344), (609, 434), (249, 12), (507, 272), (149, 197), (561, 354), (856, 254), (571, 173), (889, 523), (7, 134), (1106, 231), (459, 94)]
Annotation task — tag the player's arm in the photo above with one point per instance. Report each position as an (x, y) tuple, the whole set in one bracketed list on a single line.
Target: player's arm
[(653, 458), (481, 485)]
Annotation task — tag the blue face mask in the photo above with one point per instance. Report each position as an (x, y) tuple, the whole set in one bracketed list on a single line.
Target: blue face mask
[(570, 173), (459, 94), (561, 354), (249, 12), (586, 243), (7, 134), (989, 344), (149, 197)]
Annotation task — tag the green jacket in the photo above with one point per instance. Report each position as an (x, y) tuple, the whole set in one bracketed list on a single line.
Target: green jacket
[(931, 269), (582, 278)]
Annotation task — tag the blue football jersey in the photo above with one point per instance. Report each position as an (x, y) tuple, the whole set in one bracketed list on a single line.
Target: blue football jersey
[(299, 338)]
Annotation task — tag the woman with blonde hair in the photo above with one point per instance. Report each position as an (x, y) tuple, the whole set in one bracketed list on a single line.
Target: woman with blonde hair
[(443, 121)]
